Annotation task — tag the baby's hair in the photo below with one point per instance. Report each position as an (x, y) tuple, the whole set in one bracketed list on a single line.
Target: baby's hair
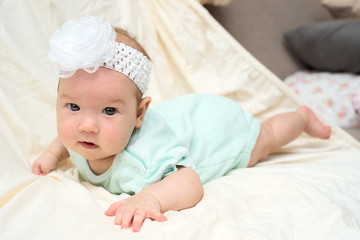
[(123, 36)]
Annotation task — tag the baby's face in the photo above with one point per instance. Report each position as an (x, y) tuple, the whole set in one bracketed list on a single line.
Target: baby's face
[(96, 113)]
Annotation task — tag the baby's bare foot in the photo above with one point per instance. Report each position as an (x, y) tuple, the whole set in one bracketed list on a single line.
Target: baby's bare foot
[(315, 127)]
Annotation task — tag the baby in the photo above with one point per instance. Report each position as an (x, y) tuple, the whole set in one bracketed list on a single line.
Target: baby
[(161, 156)]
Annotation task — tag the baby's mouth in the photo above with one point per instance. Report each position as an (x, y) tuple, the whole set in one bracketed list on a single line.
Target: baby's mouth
[(89, 145)]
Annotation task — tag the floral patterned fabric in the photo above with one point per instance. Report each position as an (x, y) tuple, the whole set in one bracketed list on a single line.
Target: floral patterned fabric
[(335, 95)]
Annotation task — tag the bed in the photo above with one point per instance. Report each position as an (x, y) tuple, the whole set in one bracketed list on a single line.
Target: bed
[(309, 189)]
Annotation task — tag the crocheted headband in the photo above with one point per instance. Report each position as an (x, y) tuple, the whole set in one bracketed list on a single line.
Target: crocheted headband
[(89, 43)]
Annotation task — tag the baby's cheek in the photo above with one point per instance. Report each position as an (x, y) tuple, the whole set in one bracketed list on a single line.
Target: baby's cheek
[(65, 132), (117, 139)]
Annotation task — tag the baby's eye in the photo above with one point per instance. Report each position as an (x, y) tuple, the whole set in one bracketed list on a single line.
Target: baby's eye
[(109, 111), (73, 107)]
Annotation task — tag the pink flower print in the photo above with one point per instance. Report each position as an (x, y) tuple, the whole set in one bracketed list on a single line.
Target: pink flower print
[(292, 84), (318, 90), (353, 95), (344, 85), (329, 102), (341, 115)]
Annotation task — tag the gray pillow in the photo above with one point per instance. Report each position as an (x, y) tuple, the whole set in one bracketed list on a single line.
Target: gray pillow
[(327, 46)]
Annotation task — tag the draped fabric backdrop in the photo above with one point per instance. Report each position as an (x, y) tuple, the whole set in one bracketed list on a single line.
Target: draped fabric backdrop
[(310, 189)]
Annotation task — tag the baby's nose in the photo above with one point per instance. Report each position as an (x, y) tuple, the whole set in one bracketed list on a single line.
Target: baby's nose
[(89, 125)]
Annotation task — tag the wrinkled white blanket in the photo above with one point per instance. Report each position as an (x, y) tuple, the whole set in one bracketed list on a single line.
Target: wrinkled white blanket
[(310, 189)]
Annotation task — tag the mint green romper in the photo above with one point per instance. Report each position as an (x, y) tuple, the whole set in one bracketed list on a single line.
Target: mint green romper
[(208, 133)]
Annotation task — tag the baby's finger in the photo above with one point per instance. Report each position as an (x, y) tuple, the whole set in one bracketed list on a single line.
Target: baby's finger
[(138, 220), (127, 217), (36, 169), (156, 215), (111, 211), (119, 216)]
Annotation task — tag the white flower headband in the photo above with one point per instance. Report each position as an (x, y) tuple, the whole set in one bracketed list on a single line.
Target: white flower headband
[(89, 43)]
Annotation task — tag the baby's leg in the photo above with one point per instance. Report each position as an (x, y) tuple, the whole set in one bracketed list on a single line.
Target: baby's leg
[(284, 128)]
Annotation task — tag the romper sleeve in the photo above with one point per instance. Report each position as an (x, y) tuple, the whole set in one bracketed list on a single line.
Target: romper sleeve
[(158, 148)]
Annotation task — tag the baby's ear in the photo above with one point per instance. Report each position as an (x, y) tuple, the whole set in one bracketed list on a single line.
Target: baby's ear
[(143, 106)]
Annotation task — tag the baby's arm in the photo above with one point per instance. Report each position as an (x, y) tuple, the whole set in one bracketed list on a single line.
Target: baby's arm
[(179, 190), (49, 159)]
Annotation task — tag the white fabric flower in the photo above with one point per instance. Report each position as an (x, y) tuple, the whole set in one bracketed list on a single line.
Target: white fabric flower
[(89, 43), (82, 44)]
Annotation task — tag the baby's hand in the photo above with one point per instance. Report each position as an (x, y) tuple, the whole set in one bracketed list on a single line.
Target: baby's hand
[(134, 210), (44, 164)]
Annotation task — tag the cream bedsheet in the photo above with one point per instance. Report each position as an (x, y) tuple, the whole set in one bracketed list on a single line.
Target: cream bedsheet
[(308, 190)]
